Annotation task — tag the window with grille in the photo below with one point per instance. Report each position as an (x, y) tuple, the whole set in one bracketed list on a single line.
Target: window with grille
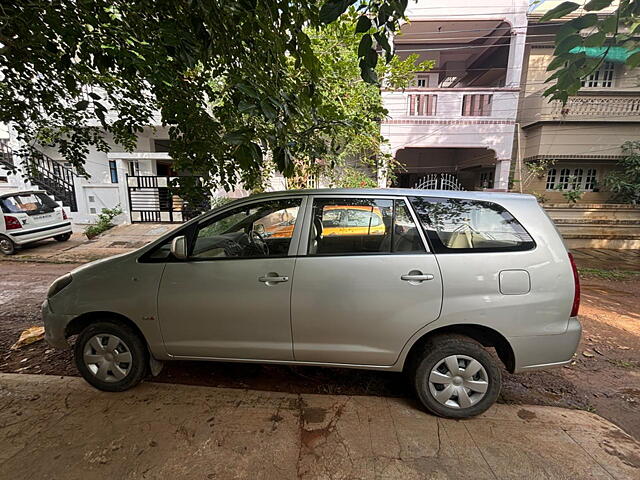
[(551, 179), (601, 78), (590, 179), (476, 105), (422, 105), (572, 179)]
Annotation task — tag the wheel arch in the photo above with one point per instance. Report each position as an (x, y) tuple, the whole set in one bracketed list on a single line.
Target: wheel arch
[(82, 321), (486, 336)]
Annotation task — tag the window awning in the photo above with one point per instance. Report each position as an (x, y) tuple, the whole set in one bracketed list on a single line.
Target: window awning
[(610, 54)]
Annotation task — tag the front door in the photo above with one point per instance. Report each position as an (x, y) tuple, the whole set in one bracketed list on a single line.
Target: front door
[(366, 283), (231, 298)]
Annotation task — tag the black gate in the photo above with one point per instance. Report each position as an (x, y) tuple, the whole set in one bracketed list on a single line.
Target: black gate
[(152, 199)]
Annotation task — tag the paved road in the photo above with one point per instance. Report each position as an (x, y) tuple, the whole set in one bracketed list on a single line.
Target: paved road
[(59, 427)]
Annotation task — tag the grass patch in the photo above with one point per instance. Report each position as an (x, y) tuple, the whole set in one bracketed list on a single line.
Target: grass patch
[(623, 363), (608, 274)]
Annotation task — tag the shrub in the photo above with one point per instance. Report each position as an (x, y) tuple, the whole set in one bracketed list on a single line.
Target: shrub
[(104, 222), (625, 184)]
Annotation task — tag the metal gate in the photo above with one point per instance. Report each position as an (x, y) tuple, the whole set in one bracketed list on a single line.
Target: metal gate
[(439, 181), (151, 200)]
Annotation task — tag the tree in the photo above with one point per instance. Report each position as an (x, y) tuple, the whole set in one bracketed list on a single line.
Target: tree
[(231, 80), (618, 28), (356, 142), (625, 184)]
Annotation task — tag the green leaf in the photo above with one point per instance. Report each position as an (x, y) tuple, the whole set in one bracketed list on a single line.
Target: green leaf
[(268, 109), (634, 60), (371, 58), (609, 24), (595, 40), (585, 21), (383, 41), (597, 5), (365, 45), (236, 138), (332, 9), (565, 8), (363, 24), (82, 104), (568, 43)]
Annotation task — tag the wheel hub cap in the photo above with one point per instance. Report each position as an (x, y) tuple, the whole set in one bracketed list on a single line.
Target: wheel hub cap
[(458, 381), (107, 357)]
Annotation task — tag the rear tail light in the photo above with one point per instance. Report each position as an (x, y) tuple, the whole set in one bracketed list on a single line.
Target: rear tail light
[(576, 288), (11, 223), (64, 215)]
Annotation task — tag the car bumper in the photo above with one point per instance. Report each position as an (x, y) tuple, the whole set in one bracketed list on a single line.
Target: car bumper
[(546, 351), (54, 327), (21, 237)]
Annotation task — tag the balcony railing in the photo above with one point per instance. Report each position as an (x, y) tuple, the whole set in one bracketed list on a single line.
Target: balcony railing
[(451, 103), (585, 106)]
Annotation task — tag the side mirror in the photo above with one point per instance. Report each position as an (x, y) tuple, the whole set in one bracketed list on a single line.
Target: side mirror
[(179, 247), (259, 227)]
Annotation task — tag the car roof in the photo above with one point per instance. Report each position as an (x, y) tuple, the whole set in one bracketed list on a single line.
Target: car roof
[(20, 192), (471, 195)]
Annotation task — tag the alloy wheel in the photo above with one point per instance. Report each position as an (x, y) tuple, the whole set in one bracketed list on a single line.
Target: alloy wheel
[(6, 246), (458, 381), (107, 357)]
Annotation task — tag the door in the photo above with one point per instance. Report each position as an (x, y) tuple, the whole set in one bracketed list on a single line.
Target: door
[(231, 298), (362, 290)]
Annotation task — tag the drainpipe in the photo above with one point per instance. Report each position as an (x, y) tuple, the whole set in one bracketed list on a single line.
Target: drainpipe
[(519, 158)]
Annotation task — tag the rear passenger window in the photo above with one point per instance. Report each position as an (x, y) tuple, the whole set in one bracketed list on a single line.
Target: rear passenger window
[(461, 225), (343, 226)]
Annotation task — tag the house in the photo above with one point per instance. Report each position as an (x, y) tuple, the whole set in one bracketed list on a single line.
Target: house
[(455, 127), (575, 145)]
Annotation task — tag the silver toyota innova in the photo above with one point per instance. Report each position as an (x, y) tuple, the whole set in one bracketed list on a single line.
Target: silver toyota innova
[(414, 281)]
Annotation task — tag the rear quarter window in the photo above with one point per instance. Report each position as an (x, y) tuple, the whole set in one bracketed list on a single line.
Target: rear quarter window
[(455, 225)]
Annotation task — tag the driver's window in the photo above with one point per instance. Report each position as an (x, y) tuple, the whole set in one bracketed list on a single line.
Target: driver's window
[(257, 230)]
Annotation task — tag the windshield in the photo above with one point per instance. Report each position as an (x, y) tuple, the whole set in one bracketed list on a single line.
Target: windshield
[(29, 203)]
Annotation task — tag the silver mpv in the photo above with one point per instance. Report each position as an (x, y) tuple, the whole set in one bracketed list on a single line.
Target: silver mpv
[(413, 281)]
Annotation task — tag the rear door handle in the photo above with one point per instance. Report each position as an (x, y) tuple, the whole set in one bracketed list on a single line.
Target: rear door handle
[(272, 279), (416, 278)]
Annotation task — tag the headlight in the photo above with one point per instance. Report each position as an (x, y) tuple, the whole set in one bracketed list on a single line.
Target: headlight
[(59, 284)]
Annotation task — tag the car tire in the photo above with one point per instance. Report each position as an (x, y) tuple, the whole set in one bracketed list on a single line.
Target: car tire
[(455, 377), (7, 246), (63, 237), (111, 356)]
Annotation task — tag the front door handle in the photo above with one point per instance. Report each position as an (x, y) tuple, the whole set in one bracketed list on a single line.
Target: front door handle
[(273, 278), (411, 277)]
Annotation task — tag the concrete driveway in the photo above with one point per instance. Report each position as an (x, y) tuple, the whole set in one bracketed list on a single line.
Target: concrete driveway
[(59, 427)]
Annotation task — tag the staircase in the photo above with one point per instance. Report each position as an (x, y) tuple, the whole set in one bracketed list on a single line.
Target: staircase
[(51, 176), (6, 156), (606, 226)]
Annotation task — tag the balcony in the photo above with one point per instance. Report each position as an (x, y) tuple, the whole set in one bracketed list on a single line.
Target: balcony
[(467, 118), (586, 107), (438, 105)]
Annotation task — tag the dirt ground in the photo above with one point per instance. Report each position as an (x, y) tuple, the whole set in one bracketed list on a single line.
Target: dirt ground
[(605, 377)]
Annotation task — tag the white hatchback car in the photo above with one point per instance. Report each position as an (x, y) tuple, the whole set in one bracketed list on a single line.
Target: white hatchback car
[(29, 216)]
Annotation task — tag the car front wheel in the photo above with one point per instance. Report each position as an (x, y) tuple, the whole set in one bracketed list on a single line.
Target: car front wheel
[(455, 377), (111, 356)]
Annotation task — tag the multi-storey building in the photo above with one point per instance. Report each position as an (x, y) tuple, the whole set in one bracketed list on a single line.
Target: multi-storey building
[(579, 143), (454, 128)]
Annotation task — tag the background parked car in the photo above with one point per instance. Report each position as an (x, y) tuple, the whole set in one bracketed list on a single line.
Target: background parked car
[(30, 216)]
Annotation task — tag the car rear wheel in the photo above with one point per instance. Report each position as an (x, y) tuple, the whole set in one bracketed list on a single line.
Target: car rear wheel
[(455, 377), (110, 356), (7, 246), (63, 237)]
